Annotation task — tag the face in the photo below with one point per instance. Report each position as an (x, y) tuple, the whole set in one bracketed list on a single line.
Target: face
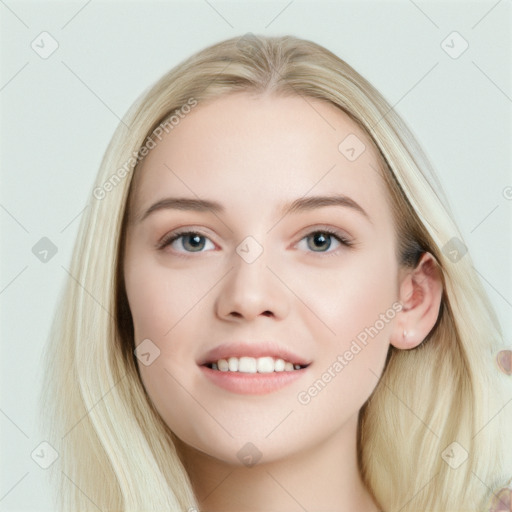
[(315, 285)]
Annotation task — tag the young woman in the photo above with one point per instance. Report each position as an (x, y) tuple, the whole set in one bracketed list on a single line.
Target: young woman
[(271, 308)]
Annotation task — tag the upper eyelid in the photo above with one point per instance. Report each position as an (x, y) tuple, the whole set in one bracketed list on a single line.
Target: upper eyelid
[(199, 230), (178, 232)]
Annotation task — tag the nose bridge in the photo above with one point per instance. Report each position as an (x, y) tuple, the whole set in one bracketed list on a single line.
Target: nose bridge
[(250, 288)]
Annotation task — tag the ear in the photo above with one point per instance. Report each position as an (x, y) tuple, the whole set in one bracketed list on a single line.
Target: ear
[(421, 291)]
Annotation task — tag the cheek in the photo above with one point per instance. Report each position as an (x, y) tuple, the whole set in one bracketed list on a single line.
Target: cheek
[(351, 296), (160, 297), (159, 301), (163, 302), (355, 311)]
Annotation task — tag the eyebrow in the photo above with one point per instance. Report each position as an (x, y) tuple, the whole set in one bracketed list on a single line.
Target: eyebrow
[(299, 205)]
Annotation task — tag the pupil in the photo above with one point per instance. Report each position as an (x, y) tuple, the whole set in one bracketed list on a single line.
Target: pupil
[(321, 238), (196, 244)]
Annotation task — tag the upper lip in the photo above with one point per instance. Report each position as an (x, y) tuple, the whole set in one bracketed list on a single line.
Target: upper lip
[(254, 349)]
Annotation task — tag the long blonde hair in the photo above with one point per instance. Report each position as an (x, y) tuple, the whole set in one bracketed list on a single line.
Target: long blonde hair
[(115, 451)]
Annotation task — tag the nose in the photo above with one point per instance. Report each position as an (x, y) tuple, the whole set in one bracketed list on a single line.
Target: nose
[(251, 290)]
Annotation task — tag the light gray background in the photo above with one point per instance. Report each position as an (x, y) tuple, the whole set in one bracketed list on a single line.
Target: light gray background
[(58, 114)]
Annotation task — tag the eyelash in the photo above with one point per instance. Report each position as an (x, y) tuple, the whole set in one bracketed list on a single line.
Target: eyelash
[(171, 237)]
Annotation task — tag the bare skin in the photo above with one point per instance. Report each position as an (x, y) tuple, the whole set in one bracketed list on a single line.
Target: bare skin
[(253, 154)]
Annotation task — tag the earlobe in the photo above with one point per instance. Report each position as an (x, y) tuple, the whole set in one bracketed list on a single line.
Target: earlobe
[(421, 291)]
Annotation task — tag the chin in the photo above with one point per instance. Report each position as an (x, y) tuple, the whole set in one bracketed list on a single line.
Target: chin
[(247, 452)]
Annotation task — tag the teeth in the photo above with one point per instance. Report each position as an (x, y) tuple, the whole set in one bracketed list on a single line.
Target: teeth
[(232, 364), (222, 365), (279, 365), (247, 365), (254, 365), (264, 364)]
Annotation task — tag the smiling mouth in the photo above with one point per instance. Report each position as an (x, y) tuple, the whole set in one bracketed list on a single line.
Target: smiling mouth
[(254, 365)]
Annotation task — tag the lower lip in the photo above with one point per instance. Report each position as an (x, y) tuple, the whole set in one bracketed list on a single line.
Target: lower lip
[(252, 383)]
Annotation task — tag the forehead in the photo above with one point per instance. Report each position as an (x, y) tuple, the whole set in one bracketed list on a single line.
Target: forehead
[(268, 148)]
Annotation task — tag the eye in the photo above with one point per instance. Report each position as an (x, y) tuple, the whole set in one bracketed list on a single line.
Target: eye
[(191, 241), (321, 240)]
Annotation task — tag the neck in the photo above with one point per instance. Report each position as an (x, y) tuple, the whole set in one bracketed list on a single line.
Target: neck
[(323, 477)]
